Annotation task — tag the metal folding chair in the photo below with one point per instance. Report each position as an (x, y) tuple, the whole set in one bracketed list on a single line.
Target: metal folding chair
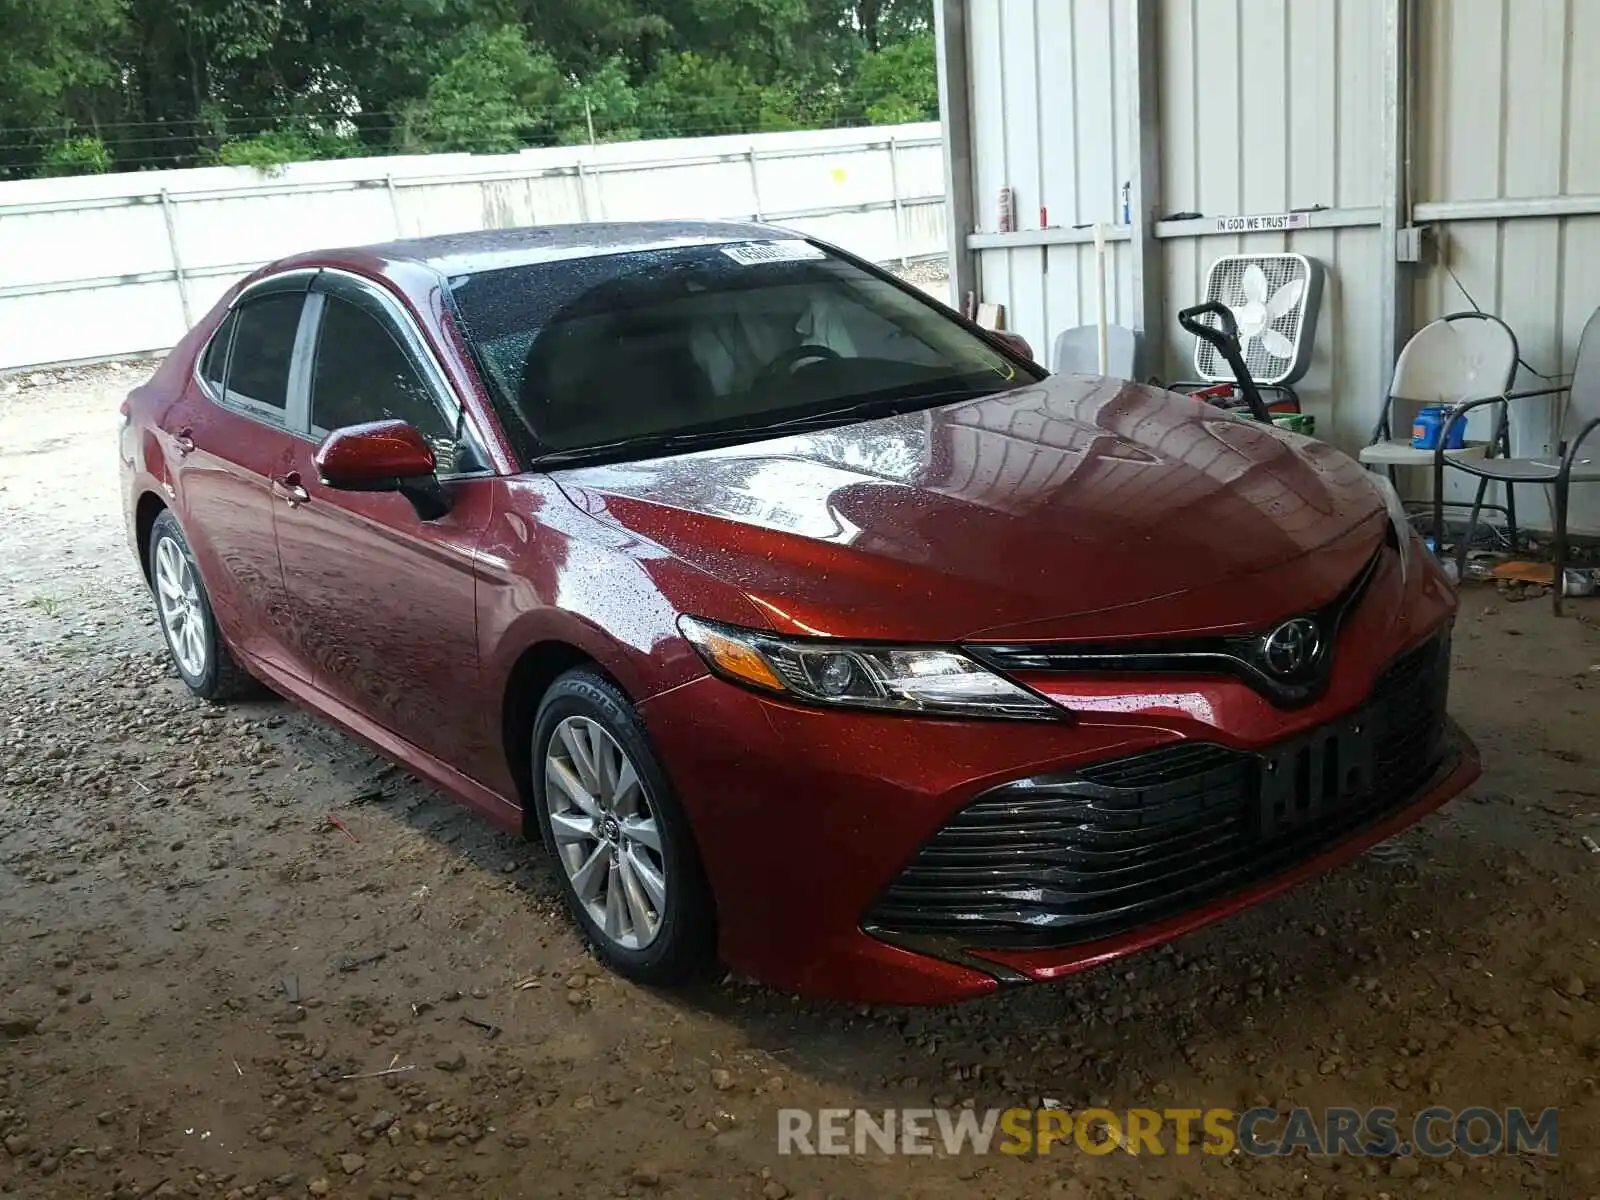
[(1465, 356), (1580, 416)]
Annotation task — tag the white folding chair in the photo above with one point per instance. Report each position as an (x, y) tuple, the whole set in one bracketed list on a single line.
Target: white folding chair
[(1580, 416), (1077, 352), (1461, 358)]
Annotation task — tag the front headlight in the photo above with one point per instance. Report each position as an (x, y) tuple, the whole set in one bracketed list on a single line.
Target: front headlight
[(915, 679)]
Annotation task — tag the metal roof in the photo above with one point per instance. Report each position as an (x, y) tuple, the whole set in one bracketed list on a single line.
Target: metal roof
[(492, 249)]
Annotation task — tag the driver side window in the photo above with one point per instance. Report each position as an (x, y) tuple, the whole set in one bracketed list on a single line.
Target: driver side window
[(361, 372)]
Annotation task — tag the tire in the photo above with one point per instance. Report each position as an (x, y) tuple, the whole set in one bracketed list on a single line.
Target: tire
[(615, 863), (183, 609)]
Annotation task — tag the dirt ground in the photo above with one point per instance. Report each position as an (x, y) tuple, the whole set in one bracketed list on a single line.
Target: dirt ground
[(177, 910)]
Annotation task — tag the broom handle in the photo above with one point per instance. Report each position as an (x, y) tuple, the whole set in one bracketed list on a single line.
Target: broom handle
[(1100, 287)]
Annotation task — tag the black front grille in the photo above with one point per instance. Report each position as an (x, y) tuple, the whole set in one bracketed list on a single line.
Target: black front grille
[(1059, 859)]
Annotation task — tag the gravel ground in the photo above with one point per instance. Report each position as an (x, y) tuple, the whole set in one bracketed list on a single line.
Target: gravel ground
[(192, 957)]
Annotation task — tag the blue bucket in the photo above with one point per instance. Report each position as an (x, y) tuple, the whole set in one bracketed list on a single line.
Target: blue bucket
[(1430, 422)]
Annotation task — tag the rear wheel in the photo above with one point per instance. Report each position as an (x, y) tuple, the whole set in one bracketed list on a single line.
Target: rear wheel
[(196, 645), (625, 854)]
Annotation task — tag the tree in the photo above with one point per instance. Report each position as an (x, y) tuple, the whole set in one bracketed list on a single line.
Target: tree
[(179, 82), (490, 99), (759, 36), (504, 93), (882, 22), (191, 64), (692, 96), (54, 54), (605, 103), (897, 84), (58, 72), (379, 56)]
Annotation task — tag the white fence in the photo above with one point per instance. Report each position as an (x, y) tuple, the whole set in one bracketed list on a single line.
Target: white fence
[(107, 266)]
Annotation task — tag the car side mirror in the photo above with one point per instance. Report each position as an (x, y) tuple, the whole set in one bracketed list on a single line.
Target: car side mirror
[(1015, 342), (383, 456)]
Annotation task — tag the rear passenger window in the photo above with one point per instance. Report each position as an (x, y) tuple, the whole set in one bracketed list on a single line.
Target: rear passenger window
[(263, 343), (215, 362)]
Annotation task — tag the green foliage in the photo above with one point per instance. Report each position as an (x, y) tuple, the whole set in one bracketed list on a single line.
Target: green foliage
[(54, 54), (763, 36), (56, 57), (266, 82), (265, 151), (607, 99), (691, 95), (898, 84), (881, 23), (274, 149), (490, 99), (77, 156), (503, 93)]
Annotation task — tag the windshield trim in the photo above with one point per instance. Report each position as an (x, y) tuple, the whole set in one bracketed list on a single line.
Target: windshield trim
[(529, 450)]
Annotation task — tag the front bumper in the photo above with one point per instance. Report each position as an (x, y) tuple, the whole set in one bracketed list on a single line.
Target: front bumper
[(1051, 861), (1458, 770), (806, 818)]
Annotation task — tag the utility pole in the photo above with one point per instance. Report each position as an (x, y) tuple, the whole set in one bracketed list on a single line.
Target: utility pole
[(588, 113)]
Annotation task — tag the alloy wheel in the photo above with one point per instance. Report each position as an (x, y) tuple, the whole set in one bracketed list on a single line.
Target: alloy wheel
[(606, 832), (183, 616)]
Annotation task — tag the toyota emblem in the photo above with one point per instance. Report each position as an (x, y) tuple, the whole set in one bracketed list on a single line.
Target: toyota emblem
[(1292, 646)]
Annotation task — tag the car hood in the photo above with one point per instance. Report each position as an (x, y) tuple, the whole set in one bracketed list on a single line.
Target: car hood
[(1077, 507)]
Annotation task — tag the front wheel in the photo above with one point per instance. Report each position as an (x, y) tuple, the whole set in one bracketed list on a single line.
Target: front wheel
[(196, 645), (625, 855)]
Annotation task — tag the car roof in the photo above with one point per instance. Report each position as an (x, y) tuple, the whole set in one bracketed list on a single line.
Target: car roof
[(493, 249)]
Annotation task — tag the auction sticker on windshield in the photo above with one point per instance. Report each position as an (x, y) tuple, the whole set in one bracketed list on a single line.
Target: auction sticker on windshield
[(752, 254)]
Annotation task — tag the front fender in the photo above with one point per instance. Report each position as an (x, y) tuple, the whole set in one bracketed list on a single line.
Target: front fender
[(549, 572)]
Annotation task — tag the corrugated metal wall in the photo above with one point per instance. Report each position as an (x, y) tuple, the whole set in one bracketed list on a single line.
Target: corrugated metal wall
[(1508, 92), (1268, 106), (1257, 116), (1052, 124)]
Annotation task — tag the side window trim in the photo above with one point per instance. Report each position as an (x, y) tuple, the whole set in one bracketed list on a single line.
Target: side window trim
[(263, 414), (297, 413), (224, 329), (366, 296), (298, 280), (283, 419)]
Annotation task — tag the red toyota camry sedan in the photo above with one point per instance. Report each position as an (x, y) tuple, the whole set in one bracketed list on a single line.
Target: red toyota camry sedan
[(811, 627)]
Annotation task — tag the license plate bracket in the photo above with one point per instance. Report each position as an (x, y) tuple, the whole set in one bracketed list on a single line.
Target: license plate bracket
[(1304, 779)]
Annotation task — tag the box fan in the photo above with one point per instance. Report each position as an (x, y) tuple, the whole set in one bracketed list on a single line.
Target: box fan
[(1274, 299)]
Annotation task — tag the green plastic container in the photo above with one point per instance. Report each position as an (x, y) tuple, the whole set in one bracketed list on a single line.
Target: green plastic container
[(1296, 423)]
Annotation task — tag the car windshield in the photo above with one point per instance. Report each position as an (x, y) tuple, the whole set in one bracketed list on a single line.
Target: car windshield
[(657, 350)]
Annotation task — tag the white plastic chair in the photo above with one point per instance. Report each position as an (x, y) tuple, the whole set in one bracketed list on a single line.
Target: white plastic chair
[(1077, 352), (1457, 359)]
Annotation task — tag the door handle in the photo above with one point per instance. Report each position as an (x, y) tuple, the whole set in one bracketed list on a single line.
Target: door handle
[(288, 489), (183, 440)]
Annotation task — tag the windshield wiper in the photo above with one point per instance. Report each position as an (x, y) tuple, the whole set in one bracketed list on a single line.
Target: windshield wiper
[(658, 444), (642, 446), (866, 410)]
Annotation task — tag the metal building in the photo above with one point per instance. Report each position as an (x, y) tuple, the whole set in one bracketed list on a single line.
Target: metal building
[(1469, 119)]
